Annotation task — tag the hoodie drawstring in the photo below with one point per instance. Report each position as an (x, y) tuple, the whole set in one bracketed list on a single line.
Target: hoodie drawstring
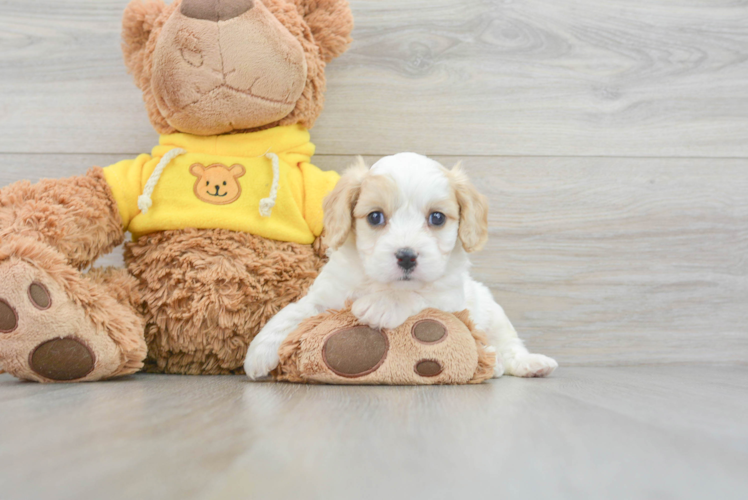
[(144, 201), (267, 204)]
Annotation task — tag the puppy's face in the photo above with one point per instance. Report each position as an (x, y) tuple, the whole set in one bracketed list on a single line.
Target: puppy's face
[(406, 215)]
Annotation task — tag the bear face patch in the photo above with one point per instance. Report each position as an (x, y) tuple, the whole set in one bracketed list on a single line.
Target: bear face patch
[(217, 184)]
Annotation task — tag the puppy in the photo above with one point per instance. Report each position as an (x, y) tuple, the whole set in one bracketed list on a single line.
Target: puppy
[(399, 235)]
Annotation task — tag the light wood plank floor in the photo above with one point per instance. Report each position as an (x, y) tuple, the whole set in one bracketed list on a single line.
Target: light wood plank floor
[(626, 432)]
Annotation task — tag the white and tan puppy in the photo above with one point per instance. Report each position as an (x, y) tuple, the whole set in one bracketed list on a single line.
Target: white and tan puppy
[(399, 235)]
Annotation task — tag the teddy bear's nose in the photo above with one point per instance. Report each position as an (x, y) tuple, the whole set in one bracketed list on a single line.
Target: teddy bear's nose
[(215, 10)]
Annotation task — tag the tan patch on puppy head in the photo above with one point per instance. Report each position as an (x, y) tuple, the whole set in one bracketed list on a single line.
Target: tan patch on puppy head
[(449, 206), (473, 231), (379, 193), (217, 184)]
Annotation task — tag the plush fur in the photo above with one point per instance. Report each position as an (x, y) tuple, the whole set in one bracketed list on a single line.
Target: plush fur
[(368, 268), (76, 216), (197, 297), (206, 293), (322, 28), (463, 355), (82, 306)]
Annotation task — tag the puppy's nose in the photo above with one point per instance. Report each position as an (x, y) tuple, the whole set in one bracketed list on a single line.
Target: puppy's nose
[(407, 258), (215, 10)]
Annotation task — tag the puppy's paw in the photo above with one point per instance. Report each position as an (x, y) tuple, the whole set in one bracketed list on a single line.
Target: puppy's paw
[(380, 312), (262, 358), (531, 365)]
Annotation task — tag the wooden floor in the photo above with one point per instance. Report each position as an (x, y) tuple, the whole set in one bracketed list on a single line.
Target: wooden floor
[(611, 137), (618, 432)]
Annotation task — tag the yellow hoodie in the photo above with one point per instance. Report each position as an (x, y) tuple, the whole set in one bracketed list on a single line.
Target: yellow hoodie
[(260, 183)]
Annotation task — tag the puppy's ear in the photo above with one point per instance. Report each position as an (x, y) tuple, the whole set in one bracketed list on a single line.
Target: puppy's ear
[(138, 21), (338, 205), (473, 231)]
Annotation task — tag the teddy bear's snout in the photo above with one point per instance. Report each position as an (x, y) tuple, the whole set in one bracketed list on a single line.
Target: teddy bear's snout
[(215, 10)]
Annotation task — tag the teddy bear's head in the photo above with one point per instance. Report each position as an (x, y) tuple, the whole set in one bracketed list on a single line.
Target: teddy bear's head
[(209, 67)]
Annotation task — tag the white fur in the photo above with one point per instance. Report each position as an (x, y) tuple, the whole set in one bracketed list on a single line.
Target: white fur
[(364, 270)]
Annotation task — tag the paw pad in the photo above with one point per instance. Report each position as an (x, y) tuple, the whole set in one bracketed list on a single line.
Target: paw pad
[(428, 368), (62, 359), (355, 352), (8, 317), (39, 296), (428, 331)]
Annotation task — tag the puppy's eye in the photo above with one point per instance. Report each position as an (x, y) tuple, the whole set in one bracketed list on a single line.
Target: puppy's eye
[(376, 219), (437, 219)]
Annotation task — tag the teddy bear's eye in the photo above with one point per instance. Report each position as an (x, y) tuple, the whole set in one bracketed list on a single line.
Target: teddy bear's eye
[(207, 183), (224, 183)]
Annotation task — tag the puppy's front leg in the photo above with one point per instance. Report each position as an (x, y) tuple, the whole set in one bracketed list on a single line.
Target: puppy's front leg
[(262, 357), (388, 309)]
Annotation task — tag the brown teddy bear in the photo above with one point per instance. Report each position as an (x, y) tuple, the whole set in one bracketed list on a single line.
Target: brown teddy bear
[(225, 212)]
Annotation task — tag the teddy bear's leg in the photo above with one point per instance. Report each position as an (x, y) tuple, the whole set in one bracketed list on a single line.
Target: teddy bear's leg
[(58, 325), (432, 347)]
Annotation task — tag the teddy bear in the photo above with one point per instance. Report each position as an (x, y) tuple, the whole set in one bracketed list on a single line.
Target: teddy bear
[(225, 212)]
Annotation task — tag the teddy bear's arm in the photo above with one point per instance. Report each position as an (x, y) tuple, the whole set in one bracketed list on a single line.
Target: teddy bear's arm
[(77, 216)]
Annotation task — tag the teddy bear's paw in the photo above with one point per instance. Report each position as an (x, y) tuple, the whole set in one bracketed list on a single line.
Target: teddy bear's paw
[(531, 365), (45, 335), (432, 347)]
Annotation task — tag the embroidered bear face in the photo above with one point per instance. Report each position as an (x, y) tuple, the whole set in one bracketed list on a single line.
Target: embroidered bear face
[(217, 184)]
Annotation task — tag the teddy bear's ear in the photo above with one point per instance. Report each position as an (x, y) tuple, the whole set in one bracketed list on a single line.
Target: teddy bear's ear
[(331, 22), (137, 23)]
